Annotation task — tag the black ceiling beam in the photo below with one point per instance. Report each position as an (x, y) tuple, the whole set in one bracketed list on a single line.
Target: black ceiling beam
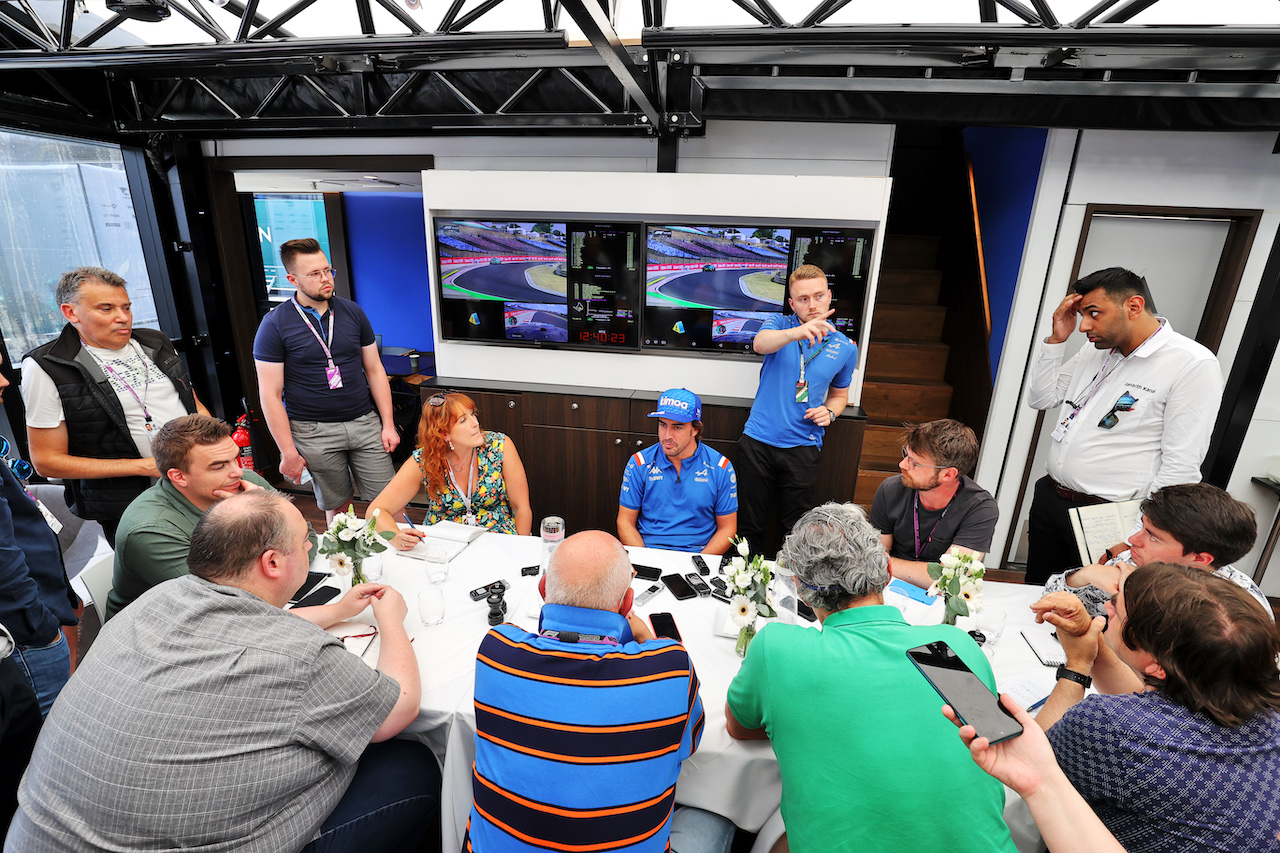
[(613, 123), (225, 58), (1125, 12), (1006, 35), (594, 23)]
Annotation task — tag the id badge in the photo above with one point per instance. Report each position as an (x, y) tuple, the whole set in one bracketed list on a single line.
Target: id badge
[(470, 519), (802, 391), (49, 517), (334, 375), (1060, 432)]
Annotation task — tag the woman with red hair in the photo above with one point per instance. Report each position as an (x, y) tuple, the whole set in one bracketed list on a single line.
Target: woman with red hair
[(470, 476)]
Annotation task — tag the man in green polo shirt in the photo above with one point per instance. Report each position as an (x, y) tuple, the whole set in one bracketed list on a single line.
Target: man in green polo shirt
[(868, 763), (201, 466)]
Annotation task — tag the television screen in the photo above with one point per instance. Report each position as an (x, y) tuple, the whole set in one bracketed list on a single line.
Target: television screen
[(283, 217), (538, 282), (710, 287), (844, 254)]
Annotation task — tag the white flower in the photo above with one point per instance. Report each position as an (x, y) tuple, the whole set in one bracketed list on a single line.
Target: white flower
[(743, 610), (976, 566), (949, 560), (346, 534), (757, 575), (947, 574), (933, 589), (742, 580), (376, 511), (340, 563), (736, 565), (744, 548), (357, 524), (972, 595)]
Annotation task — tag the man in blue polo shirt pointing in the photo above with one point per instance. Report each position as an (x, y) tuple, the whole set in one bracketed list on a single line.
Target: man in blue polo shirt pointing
[(679, 493), (804, 386)]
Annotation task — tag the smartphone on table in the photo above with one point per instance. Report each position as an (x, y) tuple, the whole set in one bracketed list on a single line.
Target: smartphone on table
[(960, 688), (314, 579), (647, 573), (679, 587), (664, 626)]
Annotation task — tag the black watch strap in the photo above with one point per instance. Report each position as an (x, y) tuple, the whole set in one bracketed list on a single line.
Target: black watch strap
[(1071, 675)]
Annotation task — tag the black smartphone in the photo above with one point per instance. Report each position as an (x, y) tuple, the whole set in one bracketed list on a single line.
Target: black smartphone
[(319, 596), (718, 584), (530, 571), (701, 565), (805, 611), (664, 626), (314, 579), (698, 584), (964, 692), (482, 592), (679, 587), (721, 595), (646, 573)]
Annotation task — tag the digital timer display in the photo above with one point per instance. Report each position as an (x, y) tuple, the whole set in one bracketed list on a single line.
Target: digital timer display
[(602, 337)]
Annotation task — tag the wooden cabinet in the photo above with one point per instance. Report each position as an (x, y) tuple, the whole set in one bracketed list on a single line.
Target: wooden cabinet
[(575, 444)]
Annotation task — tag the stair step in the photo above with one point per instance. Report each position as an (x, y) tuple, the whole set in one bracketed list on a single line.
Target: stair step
[(899, 322), (914, 402), (882, 446), (893, 360), (869, 479), (910, 251), (915, 287)]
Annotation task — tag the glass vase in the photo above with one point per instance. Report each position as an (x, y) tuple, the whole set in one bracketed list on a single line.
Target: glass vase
[(745, 636)]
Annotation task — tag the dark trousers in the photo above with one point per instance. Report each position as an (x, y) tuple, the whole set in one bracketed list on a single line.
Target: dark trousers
[(20, 723), (1051, 543), (393, 802), (766, 472)]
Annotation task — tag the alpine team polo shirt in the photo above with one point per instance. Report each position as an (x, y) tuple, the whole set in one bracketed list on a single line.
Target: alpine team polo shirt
[(678, 510), (776, 418)]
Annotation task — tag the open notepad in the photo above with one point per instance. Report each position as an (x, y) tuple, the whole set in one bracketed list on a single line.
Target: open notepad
[(1099, 527), (443, 541)]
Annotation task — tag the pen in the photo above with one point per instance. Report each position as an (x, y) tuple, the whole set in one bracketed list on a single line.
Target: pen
[(409, 521)]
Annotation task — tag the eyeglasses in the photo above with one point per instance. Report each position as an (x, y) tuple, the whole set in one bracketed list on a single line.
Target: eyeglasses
[(914, 464), (21, 468), (327, 272)]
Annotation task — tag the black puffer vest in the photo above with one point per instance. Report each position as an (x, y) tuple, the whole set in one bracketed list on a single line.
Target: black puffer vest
[(96, 425)]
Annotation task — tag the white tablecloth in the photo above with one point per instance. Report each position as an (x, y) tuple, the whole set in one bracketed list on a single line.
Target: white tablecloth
[(737, 779)]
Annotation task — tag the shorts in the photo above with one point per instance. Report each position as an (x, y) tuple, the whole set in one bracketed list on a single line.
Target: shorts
[(337, 453)]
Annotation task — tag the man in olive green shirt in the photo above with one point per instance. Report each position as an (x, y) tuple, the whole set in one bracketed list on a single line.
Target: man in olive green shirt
[(201, 466), (868, 764)]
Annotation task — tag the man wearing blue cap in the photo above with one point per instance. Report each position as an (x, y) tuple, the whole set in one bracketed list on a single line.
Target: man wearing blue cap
[(679, 493)]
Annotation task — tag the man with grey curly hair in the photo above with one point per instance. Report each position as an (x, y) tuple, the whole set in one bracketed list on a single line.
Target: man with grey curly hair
[(854, 725)]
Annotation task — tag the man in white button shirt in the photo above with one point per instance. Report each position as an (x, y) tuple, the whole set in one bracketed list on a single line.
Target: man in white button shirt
[(1134, 411)]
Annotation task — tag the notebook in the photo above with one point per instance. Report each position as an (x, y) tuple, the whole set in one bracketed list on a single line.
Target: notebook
[(1046, 647)]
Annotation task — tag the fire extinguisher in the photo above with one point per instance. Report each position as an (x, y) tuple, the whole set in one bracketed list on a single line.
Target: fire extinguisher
[(241, 437)]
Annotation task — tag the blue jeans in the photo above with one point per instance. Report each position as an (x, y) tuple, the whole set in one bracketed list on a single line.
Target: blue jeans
[(393, 802), (697, 831), (47, 668)]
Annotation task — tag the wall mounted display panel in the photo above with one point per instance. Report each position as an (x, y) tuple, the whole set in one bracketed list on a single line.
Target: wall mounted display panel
[(282, 217)]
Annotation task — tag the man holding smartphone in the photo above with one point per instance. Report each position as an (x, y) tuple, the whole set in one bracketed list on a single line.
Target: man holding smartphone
[(679, 493), (200, 465), (854, 725)]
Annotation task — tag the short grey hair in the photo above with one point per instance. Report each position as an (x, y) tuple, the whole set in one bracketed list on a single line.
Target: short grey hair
[(71, 282), (603, 592), (837, 556), (231, 536)]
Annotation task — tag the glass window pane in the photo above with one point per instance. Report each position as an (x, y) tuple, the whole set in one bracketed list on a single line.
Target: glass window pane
[(283, 217), (63, 204)]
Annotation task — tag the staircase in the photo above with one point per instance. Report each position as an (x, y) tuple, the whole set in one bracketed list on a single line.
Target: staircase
[(906, 359)]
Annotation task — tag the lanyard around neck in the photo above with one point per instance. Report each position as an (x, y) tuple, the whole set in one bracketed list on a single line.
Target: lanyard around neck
[(812, 355), (471, 481), (146, 379), (915, 514), (312, 329)]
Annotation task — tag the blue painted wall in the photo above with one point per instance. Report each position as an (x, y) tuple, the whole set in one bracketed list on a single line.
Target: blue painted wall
[(387, 244), (1006, 168)]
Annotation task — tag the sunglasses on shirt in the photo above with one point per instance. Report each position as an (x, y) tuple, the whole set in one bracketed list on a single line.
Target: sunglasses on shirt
[(21, 468)]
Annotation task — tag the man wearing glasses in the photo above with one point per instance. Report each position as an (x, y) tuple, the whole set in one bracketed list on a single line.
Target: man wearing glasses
[(1134, 411), (934, 506), (323, 389)]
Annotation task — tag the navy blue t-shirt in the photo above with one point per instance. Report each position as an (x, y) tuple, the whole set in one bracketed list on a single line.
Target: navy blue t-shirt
[(283, 337)]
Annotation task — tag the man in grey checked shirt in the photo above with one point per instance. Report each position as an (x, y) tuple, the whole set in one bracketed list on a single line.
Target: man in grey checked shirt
[(206, 716)]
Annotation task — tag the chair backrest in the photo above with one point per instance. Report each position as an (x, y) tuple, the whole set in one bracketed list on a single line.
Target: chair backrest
[(98, 577)]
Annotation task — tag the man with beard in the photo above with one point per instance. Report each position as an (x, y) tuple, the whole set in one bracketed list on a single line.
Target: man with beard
[(323, 389), (1135, 410), (934, 506)]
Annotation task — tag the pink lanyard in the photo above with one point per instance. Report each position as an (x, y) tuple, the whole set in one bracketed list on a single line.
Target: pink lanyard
[(312, 329), (146, 383)]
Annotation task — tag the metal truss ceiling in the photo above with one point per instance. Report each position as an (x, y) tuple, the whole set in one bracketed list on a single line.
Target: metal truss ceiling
[(253, 75)]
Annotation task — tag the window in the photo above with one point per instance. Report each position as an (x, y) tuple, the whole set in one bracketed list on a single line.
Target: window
[(63, 204)]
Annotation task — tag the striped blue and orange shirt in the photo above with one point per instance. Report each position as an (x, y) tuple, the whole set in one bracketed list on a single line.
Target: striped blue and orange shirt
[(578, 745)]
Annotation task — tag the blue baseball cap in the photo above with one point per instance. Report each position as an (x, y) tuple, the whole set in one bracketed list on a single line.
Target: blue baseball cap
[(680, 405)]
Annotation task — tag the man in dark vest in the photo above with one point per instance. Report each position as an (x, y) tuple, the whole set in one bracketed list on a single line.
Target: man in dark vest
[(96, 395)]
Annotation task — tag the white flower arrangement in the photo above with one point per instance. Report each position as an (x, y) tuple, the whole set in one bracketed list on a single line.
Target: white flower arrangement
[(958, 578), (350, 539)]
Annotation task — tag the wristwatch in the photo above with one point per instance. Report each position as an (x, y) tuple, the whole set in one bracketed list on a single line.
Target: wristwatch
[(833, 415), (1071, 675)]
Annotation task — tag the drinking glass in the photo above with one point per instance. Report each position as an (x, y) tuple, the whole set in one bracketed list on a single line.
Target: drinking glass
[(990, 622), (552, 536), (785, 595), (431, 606), (437, 573)]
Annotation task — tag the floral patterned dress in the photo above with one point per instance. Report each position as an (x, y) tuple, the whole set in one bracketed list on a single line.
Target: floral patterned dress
[(488, 500)]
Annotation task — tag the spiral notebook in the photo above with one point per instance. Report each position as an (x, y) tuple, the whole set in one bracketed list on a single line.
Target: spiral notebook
[(1046, 647)]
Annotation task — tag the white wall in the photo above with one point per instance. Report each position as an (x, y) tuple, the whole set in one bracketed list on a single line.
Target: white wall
[(1209, 170), (840, 199)]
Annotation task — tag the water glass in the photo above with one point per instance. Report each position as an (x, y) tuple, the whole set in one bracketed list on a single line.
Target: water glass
[(552, 536), (785, 596), (990, 621), (437, 573), (431, 606)]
